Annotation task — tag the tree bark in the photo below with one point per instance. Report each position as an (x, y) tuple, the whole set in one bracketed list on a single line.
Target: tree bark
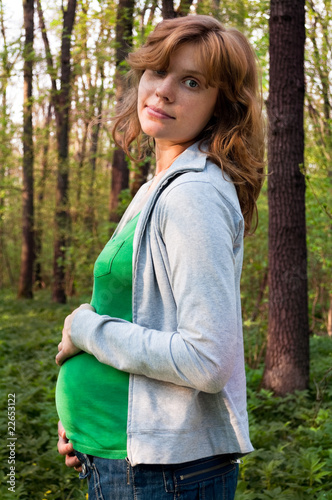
[(120, 181), (287, 356), (40, 198), (89, 216), (139, 176), (27, 252), (119, 169), (168, 11), (62, 222)]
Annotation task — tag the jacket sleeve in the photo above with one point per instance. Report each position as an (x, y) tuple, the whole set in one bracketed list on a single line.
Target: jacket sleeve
[(199, 228)]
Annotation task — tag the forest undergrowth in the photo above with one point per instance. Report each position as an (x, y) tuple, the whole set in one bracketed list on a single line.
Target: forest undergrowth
[(292, 436)]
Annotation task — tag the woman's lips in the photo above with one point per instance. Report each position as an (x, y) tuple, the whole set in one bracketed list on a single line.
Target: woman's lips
[(158, 113)]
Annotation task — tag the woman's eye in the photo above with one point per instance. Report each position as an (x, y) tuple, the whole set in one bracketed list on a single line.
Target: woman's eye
[(160, 72), (191, 83)]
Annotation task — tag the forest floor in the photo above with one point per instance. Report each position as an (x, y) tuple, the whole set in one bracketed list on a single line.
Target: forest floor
[(292, 436)]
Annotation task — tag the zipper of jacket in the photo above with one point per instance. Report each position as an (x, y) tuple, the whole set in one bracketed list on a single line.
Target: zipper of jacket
[(210, 469), (128, 470), (152, 202)]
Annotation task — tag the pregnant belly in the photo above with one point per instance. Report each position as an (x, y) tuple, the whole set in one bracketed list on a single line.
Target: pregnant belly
[(92, 404)]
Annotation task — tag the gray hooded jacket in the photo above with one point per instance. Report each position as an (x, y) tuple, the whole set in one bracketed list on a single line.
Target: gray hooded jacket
[(184, 348)]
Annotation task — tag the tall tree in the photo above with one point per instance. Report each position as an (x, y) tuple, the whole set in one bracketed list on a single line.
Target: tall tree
[(287, 355), (62, 115), (61, 103), (89, 213), (169, 12), (41, 197), (123, 39), (27, 253)]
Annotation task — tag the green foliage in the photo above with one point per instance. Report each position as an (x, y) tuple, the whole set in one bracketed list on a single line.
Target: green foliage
[(319, 243), (292, 436), (318, 154), (255, 262), (30, 332)]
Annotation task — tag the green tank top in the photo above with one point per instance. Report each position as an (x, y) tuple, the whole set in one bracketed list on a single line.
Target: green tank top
[(91, 397)]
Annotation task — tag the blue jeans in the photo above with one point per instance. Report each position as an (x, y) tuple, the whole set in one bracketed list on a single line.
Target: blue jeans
[(212, 478)]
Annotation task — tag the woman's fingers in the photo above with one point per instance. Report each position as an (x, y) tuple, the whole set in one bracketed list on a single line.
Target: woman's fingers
[(61, 430), (66, 449), (66, 348), (73, 461), (60, 357)]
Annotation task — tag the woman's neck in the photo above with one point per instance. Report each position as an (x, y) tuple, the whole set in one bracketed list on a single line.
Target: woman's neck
[(166, 154)]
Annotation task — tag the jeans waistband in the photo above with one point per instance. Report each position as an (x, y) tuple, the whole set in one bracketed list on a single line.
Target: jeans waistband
[(206, 467), (184, 472)]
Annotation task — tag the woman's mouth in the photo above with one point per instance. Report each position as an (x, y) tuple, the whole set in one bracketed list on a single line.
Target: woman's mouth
[(158, 113)]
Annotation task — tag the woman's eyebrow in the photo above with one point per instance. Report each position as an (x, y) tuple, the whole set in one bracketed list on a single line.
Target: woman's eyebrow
[(192, 72)]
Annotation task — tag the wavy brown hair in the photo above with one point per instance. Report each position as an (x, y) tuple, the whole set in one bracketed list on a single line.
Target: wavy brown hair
[(234, 137)]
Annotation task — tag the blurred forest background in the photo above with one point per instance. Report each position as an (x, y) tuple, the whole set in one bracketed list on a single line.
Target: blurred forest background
[(91, 198), (61, 165)]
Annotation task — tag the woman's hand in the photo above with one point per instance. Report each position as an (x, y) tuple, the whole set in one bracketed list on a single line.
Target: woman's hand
[(66, 449), (66, 347)]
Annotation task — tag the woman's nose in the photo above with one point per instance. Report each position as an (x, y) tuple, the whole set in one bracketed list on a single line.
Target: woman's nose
[(165, 90)]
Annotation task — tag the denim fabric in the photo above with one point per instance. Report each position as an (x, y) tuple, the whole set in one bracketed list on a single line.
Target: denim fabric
[(205, 479)]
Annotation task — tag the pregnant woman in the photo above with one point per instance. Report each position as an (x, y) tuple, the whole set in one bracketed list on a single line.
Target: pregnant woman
[(151, 392)]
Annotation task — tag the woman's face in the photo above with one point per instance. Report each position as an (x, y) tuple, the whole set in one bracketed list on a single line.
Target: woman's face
[(175, 105)]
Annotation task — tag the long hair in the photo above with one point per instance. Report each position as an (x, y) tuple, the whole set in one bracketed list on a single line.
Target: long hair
[(234, 137)]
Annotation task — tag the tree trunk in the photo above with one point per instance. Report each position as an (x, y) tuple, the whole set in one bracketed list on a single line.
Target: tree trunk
[(62, 222), (80, 159), (27, 253), (120, 181), (139, 176), (184, 8), (41, 196), (124, 31), (89, 218), (287, 356), (168, 11)]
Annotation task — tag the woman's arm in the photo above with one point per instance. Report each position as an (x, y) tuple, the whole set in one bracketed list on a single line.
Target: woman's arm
[(199, 229)]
